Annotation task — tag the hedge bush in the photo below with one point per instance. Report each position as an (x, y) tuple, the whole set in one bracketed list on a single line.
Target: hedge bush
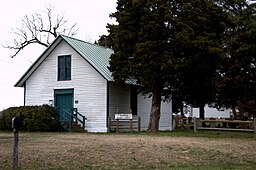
[(35, 118)]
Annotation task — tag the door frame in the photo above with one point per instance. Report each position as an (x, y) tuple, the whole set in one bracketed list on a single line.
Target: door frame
[(63, 91)]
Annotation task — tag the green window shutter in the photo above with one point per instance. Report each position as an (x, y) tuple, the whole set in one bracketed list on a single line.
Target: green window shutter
[(64, 67), (68, 68)]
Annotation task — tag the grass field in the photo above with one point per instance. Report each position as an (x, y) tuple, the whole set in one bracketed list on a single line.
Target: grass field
[(181, 150)]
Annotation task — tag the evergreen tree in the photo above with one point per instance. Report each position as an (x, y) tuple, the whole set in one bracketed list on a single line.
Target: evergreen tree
[(237, 81), (141, 48), (105, 41), (169, 47), (199, 28)]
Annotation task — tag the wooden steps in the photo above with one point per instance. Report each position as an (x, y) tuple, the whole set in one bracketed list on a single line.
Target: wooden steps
[(75, 127)]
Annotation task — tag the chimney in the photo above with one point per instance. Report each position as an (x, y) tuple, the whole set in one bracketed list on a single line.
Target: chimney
[(106, 41)]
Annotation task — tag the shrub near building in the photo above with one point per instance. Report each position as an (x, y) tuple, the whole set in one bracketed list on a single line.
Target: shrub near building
[(35, 118)]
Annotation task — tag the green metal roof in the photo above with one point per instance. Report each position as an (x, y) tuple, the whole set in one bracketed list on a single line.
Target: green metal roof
[(96, 55)]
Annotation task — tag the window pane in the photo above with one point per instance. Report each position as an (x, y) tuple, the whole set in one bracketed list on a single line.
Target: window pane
[(61, 68), (68, 74), (61, 74), (61, 62), (68, 62), (64, 68), (68, 68)]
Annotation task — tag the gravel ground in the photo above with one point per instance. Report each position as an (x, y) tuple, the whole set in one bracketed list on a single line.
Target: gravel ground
[(124, 151)]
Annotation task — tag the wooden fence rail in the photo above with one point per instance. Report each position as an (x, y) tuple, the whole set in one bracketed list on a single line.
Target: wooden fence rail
[(229, 125), (124, 124)]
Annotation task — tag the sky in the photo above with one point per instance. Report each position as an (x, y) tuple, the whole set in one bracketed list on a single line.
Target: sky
[(91, 17)]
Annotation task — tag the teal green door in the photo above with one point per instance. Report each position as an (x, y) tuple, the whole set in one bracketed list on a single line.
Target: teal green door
[(64, 103)]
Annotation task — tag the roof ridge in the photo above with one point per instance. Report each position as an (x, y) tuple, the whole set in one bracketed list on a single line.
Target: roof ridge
[(86, 42), (97, 56)]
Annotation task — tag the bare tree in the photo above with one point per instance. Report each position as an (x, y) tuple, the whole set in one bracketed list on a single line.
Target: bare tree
[(40, 28)]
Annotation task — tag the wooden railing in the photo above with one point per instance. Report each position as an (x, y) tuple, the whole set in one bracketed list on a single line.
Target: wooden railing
[(79, 117), (64, 117), (223, 124), (69, 117), (125, 122)]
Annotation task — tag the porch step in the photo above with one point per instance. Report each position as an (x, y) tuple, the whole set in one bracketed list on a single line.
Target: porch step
[(75, 127)]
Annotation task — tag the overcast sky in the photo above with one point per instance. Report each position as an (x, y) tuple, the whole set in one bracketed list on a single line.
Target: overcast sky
[(91, 17)]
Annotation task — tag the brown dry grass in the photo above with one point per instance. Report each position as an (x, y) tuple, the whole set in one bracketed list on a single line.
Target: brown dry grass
[(126, 151)]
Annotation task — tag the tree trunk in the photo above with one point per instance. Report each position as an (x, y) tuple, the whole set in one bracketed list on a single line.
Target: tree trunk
[(153, 125), (234, 112), (201, 111), (182, 110), (241, 110)]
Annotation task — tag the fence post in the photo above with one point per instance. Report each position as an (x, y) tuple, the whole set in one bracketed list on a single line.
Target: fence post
[(195, 124), (254, 125), (16, 125), (130, 125), (117, 122), (131, 120), (109, 123), (71, 121), (84, 122), (117, 125), (15, 149), (138, 123)]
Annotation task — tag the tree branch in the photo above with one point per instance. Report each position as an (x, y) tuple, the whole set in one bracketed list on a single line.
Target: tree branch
[(40, 28)]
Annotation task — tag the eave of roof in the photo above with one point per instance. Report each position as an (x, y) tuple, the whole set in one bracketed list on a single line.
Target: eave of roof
[(96, 55), (36, 64)]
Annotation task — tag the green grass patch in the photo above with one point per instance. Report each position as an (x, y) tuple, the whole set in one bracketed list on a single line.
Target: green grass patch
[(212, 134), (174, 133), (211, 150), (200, 133)]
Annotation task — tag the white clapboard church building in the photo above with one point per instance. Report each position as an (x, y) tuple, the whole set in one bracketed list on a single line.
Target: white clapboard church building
[(73, 75)]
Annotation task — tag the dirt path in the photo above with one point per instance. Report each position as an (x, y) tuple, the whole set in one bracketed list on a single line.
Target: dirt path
[(98, 151)]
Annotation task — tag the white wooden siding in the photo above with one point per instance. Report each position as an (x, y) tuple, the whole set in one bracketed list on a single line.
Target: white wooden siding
[(90, 88), (144, 107), (212, 112), (119, 98)]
